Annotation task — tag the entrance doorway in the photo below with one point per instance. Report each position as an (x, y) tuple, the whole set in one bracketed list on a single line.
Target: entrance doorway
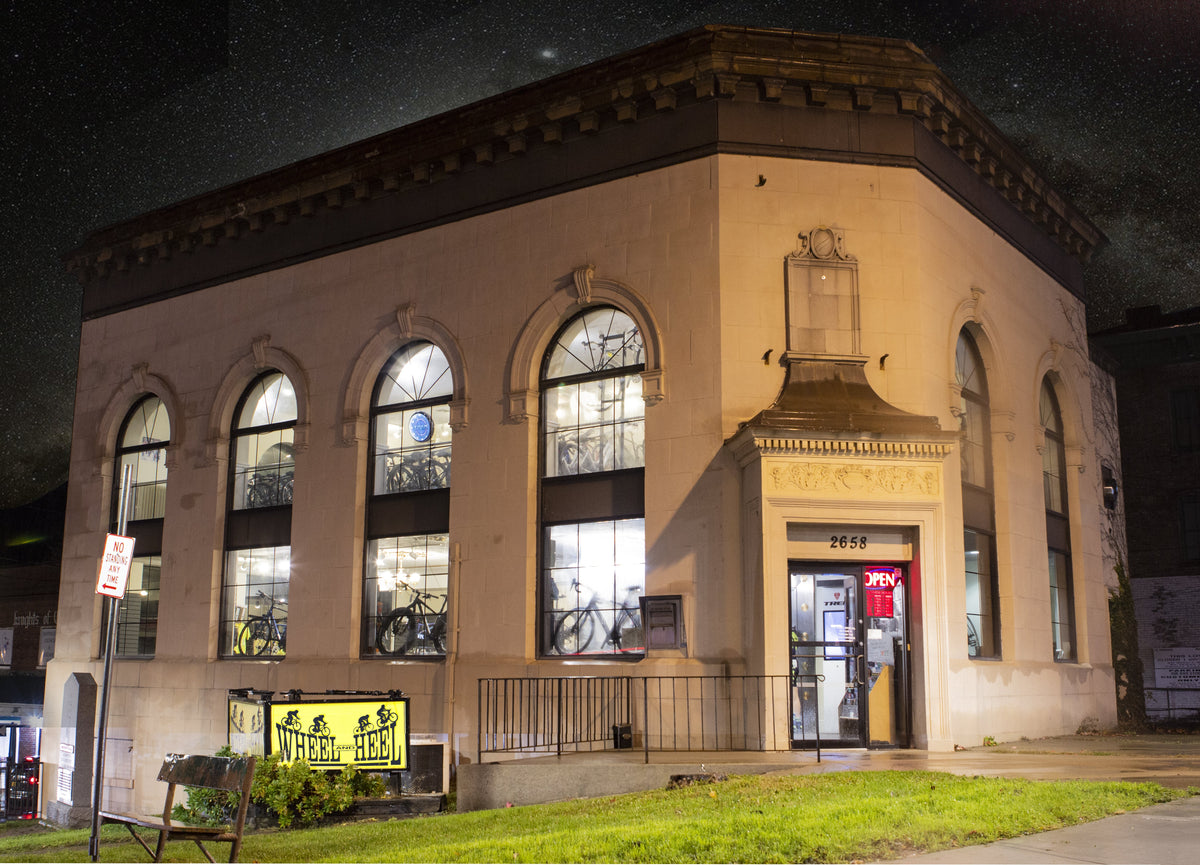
[(849, 655)]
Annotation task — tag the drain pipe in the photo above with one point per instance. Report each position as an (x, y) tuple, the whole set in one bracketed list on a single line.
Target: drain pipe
[(452, 635)]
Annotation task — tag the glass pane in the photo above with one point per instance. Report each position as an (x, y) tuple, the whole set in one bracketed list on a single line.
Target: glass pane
[(416, 373), (147, 483), (271, 400), (405, 594), (412, 450), (137, 616), (147, 423), (823, 637), (264, 468), (974, 443), (1050, 416), (594, 426), (1061, 618), (255, 602), (592, 580), (980, 596), (600, 339), (968, 368)]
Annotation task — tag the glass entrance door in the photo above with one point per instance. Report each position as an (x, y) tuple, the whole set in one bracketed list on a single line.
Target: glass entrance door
[(849, 655), (826, 657)]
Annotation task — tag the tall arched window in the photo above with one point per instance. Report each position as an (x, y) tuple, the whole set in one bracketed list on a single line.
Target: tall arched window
[(1058, 527), (979, 521), (407, 562), (142, 446), (592, 489), (258, 527)]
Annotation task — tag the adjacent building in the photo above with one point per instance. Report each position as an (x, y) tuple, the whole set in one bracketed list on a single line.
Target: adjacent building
[(772, 331), (1158, 389)]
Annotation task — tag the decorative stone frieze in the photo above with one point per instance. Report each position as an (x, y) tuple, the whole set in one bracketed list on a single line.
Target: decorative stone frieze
[(856, 478)]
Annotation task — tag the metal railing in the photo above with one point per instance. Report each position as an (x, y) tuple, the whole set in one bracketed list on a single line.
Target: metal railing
[(666, 713), (573, 713), (22, 782), (1171, 704)]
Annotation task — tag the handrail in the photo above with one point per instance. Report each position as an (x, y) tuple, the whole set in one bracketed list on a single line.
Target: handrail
[(553, 715)]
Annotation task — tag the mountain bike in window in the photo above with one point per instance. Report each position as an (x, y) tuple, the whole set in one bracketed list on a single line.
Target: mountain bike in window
[(586, 630), (267, 488), (418, 470), (417, 629), (264, 634)]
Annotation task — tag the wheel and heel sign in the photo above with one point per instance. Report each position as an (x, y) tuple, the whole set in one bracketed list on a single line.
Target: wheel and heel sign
[(114, 567)]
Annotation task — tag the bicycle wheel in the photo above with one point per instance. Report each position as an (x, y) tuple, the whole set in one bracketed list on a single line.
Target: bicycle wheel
[(397, 633), (574, 631), (438, 635), (254, 637)]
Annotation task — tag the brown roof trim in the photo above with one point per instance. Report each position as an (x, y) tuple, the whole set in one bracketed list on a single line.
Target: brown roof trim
[(705, 91)]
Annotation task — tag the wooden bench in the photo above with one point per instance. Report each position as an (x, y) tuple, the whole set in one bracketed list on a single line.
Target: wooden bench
[(215, 773)]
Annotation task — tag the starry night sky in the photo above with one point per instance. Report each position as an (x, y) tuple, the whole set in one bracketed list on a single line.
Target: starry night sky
[(115, 107)]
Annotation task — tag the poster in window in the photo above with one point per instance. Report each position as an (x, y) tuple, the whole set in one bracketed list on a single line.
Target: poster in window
[(6, 638), (46, 646), (835, 630)]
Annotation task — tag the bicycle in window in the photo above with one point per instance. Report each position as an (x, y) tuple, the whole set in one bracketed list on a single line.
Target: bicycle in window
[(269, 488), (587, 630), (416, 629), (417, 470), (263, 634)]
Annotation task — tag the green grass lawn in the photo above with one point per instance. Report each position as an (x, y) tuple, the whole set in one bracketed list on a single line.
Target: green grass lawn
[(834, 817)]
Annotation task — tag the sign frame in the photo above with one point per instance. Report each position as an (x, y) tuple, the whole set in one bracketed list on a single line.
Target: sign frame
[(113, 575), (373, 732)]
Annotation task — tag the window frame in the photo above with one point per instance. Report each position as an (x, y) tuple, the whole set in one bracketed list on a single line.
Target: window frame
[(147, 531), (1058, 526), (588, 499), (414, 517), (979, 500), (265, 530)]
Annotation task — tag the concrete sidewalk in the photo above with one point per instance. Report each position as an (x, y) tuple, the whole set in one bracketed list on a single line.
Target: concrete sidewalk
[(1164, 834)]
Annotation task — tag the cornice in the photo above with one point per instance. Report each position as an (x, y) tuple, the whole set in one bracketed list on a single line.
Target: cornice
[(789, 68), (751, 443)]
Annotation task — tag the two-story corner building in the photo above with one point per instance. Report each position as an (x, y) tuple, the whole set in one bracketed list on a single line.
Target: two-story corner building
[(773, 329)]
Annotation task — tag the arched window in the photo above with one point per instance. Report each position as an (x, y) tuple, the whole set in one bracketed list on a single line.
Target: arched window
[(592, 489), (1058, 527), (979, 521), (142, 446), (258, 527), (407, 562)]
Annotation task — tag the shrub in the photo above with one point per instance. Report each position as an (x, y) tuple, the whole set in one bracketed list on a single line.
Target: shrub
[(294, 792)]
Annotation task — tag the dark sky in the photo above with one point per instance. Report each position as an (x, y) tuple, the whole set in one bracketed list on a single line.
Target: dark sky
[(112, 108)]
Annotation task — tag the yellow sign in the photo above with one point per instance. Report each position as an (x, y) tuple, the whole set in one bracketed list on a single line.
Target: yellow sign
[(371, 734)]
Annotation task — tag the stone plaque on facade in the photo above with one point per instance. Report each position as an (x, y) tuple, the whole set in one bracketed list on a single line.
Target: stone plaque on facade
[(1177, 668)]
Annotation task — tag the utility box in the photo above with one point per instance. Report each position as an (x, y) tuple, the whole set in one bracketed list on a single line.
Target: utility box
[(622, 736)]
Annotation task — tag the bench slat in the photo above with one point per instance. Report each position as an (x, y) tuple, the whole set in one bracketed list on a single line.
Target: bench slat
[(198, 770), (148, 821)]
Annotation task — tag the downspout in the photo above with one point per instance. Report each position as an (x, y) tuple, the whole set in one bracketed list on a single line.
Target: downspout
[(452, 641)]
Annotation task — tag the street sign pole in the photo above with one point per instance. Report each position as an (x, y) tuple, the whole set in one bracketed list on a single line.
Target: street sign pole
[(109, 651)]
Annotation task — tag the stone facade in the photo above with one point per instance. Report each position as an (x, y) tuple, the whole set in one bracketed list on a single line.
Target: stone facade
[(675, 183)]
